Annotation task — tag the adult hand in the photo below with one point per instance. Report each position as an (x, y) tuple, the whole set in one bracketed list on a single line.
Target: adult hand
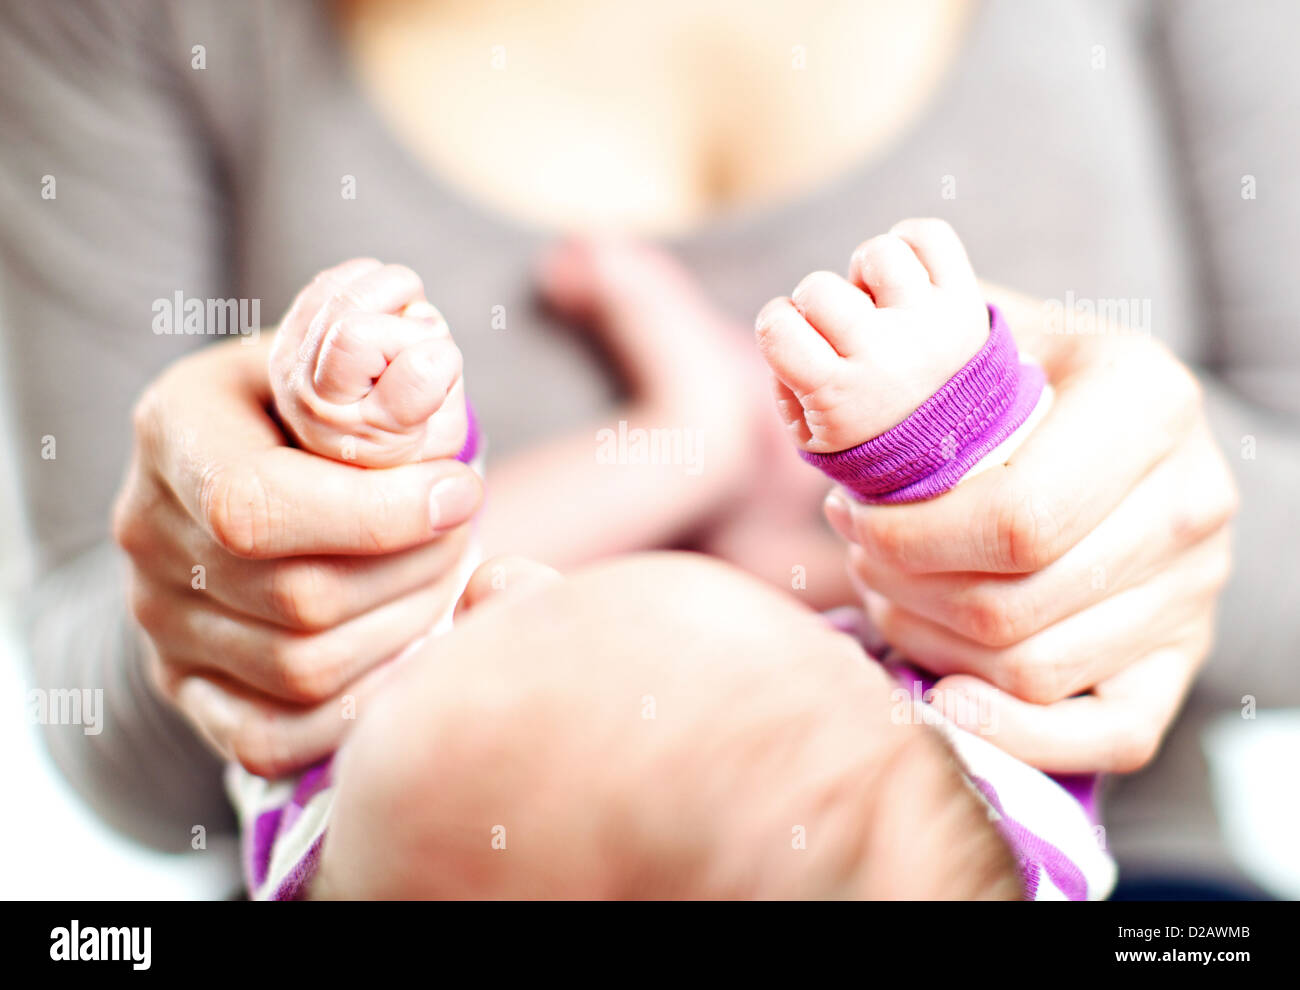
[(272, 583), (1067, 599)]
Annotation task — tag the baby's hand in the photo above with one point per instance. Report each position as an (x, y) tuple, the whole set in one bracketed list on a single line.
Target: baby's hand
[(854, 357), (364, 369)]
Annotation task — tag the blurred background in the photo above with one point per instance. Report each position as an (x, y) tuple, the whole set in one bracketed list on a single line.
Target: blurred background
[(1023, 123), (54, 846)]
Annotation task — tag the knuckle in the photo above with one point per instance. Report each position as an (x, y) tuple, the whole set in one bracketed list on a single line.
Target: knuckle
[(128, 529), (302, 595), (1219, 570), (338, 337), (149, 609), (1205, 509), (457, 362), (814, 284), (141, 412), (161, 675), (1025, 533), (304, 668), (870, 253), (139, 601), (237, 510), (328, 279), (337, 291), (1201, 641), (1037, 678), (1134, 746), (1227, 500), (259, 743), (146, 421), (766, 318), (884, 538), (382, 524), (407, 275), (1182, 394), (1185, 389), (995, 617), (144, 414)]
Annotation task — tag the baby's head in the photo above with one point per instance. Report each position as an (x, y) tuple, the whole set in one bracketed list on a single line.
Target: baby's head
[(661, 726)]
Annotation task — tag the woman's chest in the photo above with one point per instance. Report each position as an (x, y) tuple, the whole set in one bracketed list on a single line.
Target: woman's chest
[(1053, 171), (648, 119)]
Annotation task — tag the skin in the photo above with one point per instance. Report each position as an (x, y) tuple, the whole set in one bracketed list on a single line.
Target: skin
[(717, 104), (1072, 591), (364, 369), (852, 358), (1088, 636), (590, 729), (318, 573), (315, 571)]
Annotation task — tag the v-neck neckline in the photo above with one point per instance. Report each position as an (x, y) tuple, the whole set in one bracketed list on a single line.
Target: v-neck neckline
[(724, 223)]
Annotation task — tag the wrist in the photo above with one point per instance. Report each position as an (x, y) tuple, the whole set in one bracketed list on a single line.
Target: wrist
[(971, 418)]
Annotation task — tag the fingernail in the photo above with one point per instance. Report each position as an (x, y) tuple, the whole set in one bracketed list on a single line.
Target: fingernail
[(799, 297), (839, 515), (452, 501), (768, 313)]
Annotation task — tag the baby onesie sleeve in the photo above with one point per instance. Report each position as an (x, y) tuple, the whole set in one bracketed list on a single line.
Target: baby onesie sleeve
[(975, 418)]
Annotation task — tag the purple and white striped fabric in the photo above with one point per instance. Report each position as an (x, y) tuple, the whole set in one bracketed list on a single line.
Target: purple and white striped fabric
[(1050, 824), (283, 822)]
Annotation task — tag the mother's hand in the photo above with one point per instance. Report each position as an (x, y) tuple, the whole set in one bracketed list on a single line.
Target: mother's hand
[(273, 583), (1067, 599)]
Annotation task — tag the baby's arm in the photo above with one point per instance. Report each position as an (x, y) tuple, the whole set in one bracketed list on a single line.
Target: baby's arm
[(899, 382)]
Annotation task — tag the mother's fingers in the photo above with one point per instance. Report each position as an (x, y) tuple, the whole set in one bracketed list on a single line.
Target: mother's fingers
[(316, 593), (1080, 651), (1184, 500), (227, 466), (1116, 729), (305, 593), (284, 501), (304, 668), (269, 738), (1056, 488)]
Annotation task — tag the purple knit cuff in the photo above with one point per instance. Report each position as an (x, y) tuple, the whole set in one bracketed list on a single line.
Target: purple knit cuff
[(468, 451), (928, 453)]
